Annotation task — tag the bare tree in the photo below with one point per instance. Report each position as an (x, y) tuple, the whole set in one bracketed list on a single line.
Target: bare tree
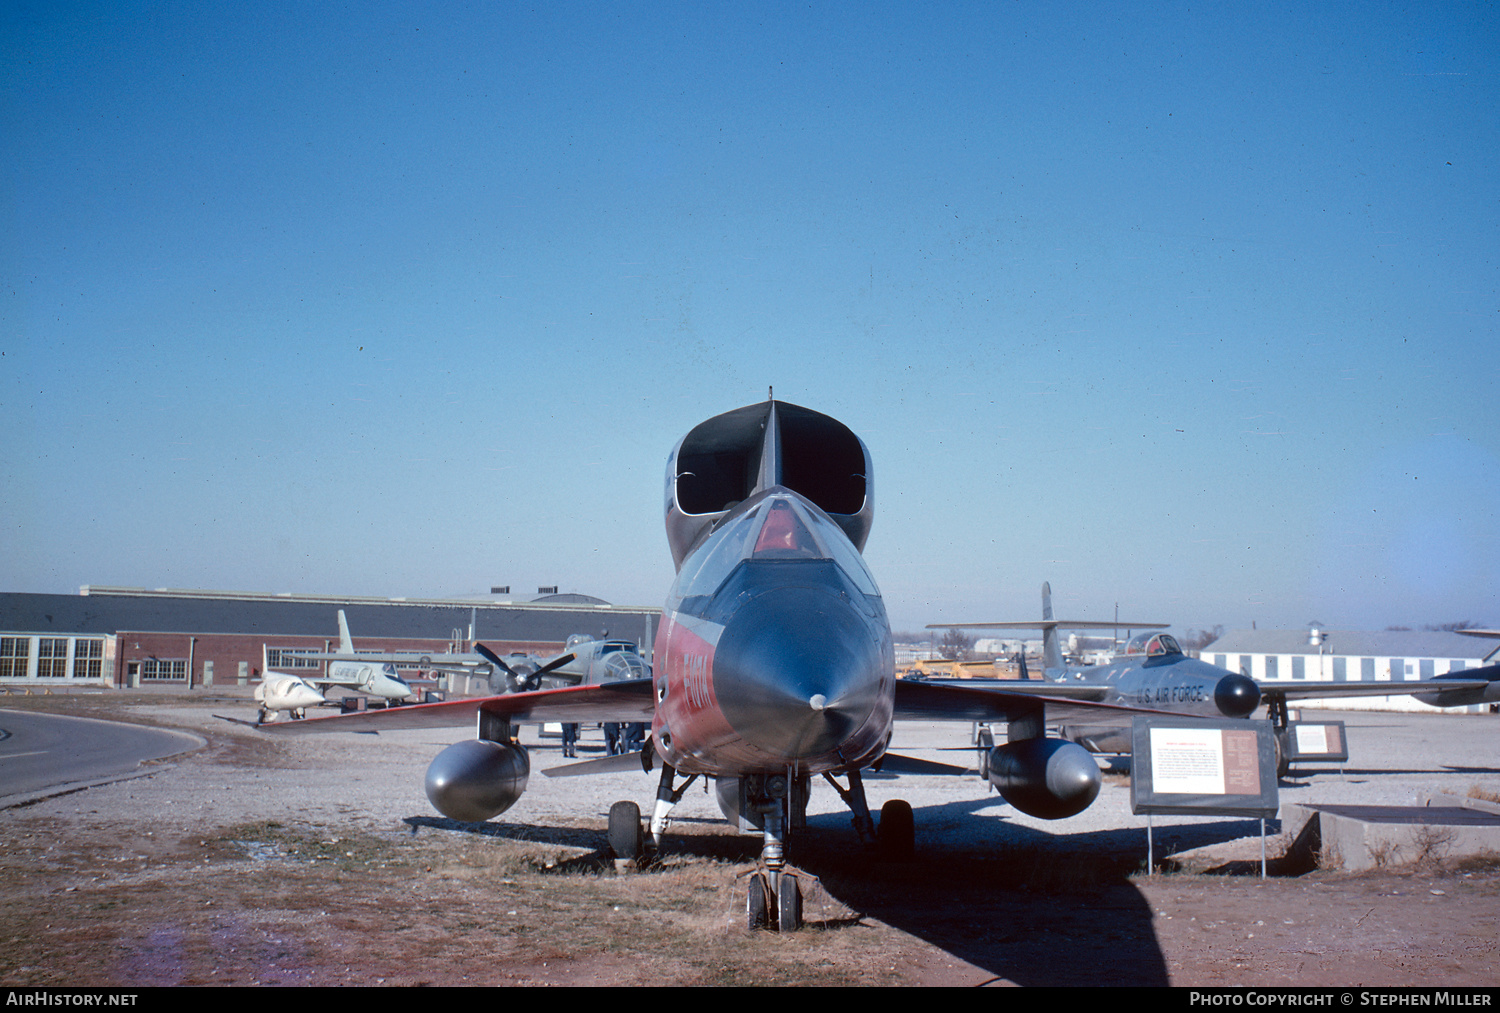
[(956, 644), (1197, 640)]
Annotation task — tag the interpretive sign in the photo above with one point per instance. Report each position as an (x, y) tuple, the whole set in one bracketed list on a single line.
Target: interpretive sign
[(1203, 767), (1315, 740)]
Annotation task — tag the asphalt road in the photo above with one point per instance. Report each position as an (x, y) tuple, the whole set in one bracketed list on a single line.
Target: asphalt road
[(41, 752)]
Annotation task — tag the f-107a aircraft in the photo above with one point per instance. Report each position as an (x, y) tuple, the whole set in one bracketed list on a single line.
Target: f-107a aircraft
[(774, 665), (1154, 672)]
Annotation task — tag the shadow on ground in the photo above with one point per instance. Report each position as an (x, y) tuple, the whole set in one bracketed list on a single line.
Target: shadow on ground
[(1023, 906)]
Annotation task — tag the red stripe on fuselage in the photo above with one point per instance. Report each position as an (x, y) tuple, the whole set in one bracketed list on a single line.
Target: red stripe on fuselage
[(689, 730)]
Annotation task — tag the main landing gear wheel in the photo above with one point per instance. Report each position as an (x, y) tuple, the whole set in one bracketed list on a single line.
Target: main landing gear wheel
[(758, 903), (986, 743), (625, 838), (897, 832), (789, 904)]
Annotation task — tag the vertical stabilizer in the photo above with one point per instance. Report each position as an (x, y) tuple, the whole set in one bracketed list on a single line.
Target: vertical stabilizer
[(1052, 660), (346, 642)]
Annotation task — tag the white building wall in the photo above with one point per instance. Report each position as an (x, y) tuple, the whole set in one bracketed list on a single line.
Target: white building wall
[(1387, 669)]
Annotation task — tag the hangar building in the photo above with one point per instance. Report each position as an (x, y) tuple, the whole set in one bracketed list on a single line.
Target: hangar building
[(132, 637)]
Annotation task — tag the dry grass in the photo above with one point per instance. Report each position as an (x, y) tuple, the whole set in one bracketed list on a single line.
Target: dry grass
[(1484, 794)]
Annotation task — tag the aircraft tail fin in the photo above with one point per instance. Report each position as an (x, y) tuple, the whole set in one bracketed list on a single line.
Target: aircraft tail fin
[(346, 642), (1052, 659)]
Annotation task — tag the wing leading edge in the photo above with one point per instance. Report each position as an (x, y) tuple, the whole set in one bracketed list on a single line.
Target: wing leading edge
[(627, 700), (927, 701)]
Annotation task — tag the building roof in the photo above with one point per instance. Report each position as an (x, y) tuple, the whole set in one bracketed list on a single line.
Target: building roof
[(107, 611), (1355, 644)]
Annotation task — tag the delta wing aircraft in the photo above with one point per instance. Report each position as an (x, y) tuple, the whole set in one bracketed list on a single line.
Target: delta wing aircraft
[(1154, 672), (773, 667)]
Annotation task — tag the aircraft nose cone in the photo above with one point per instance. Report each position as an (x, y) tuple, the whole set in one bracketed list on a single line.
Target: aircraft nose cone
[(797, 672), (1236, 696)]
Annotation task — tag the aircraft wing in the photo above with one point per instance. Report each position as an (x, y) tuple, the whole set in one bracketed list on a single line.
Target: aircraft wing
[(463, 664), (951, 701), (1473, 682), (1027, 687), (627, 700), (1050, 624)]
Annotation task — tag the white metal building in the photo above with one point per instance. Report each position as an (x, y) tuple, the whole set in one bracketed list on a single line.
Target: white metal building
[(1335, 656)]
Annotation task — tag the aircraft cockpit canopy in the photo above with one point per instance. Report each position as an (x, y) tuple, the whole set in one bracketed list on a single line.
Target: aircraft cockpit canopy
[(777, 528), (1151, 645), (623, 662)]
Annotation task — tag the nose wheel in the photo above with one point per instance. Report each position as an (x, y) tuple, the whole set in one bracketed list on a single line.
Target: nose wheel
[(776, 907)]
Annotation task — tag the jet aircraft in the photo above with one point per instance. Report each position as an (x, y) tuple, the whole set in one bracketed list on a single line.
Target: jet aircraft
[(774, 665), (282, 692), (1154, 672), (372, 674)]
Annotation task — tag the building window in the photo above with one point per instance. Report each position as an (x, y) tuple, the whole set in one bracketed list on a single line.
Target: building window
[(1427, 667), (1245, 665), (1340, 668), (51, 657), (1367, 669), (157, 670), (88, 659), (291, 657), (1299, 667), (1271, 667), (14, 653)]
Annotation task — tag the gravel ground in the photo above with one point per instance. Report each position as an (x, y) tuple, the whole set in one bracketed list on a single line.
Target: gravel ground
[(956, 920)]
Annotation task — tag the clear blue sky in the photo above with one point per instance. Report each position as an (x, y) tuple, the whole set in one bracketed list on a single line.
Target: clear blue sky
[(1187, 307)]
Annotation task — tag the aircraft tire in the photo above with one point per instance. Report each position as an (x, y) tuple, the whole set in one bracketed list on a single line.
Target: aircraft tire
[(897, 832), (625, 837), (789, 905), (758, 904), (986, 743)]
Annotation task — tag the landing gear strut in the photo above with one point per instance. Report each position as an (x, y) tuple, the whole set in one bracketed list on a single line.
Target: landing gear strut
[(774, 803), (666, 798), (1277, 712)]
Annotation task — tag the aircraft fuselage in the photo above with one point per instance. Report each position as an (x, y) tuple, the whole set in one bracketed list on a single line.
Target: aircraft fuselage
[(370, 677), (774, 654), (1172, 682)]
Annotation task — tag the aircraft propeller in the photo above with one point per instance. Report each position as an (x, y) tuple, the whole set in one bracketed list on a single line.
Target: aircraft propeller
[(522, 682)]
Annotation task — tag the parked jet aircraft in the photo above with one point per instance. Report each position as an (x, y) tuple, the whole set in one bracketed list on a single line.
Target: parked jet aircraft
[(1153, 672), (370, 674), (281, 692), (773, 664)]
